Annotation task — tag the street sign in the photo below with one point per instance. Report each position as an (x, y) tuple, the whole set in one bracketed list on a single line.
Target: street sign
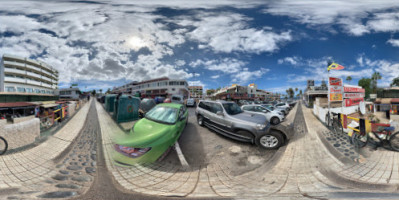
[(353, 95)]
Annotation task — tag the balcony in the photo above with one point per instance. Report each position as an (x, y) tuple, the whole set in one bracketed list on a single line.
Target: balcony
[(32, 82), (14, 79), (33, 75), (14, 71), (15, 64), (46, 85)]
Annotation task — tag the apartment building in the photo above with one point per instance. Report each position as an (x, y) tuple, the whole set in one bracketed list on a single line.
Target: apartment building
[(195, 91), (24, 76)]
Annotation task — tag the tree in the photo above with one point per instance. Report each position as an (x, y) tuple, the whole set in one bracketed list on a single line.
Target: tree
[(210, 91), (323, 83), (93, 92), (300, 91), (290, 92), (375, 77), (101, 91), (349, 79), (108, 91), (395, 82), (366, 84), (296, 89)]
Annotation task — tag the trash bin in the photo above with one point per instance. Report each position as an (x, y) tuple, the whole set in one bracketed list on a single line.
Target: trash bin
[(126, 108), (110, 102)]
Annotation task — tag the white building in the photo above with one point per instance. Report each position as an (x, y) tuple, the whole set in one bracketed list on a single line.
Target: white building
[(20, 75), (164, 87), (68, 93)]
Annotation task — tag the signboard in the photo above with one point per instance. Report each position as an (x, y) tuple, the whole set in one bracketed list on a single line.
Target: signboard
[(335, 89), (353, 95), (353, 89), (373, 96), (335, 81), (353, 102)]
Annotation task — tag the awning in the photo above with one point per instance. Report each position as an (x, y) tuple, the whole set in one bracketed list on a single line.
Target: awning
[(395, 101), (48, 102), (15, 104), (49, 105), (386, 101)]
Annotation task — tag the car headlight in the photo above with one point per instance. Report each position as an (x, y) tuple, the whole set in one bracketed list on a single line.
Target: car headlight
[(130, 151), (260, 126)]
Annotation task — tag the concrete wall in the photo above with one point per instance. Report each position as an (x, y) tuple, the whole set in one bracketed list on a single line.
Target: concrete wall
[(22, 133), (321, 112), (71, 108), (22, 119)]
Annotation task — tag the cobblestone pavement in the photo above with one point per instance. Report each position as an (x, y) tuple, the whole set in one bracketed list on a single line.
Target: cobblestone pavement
[(29, 174), (303, 169)]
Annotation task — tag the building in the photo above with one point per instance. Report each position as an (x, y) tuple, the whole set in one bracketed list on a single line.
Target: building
[(28, 79), (312, 92), (238, 92), (69, 93), (164, 87), (196, 91)]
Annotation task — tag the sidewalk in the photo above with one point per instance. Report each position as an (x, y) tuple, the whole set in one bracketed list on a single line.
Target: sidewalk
[(378, 171), (27, 168)]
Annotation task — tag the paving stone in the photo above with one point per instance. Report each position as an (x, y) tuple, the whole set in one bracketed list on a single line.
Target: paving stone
[(74, 167), (68, 186), (59, 177), (81, 178), (58, 194), (65, 172), (90, 170)]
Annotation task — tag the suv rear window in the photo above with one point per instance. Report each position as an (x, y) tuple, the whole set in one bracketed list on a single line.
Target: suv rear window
[(232, 108)]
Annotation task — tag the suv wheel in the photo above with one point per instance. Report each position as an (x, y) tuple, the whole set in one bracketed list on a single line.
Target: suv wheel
[(200, 120), (275, 120), (271, 140)]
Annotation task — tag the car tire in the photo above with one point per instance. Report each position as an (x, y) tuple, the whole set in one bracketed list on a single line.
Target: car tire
[(275, 120), (200, 120), (271, 140)]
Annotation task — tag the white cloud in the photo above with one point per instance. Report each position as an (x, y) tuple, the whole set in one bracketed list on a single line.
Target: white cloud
[(245, 76), (229, 32), (225, 65), (291, 60), (394, 42), (215, 76)]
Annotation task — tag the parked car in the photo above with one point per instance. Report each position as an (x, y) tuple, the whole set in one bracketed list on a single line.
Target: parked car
[(274, 117), (159, 100), (286, 106), (146, 105), (291, 103), (151, 137), (228, 119), (177, 99), (271, 107), (191, 102), (167, 100), (243, 102)]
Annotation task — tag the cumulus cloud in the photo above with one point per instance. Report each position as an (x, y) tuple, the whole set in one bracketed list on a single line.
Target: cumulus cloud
[(230, 32), (394, 42), (245, 76)]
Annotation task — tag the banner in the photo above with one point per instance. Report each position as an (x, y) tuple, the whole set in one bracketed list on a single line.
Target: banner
[(353, 95), (353, 89), (353, 102), (335, 96)]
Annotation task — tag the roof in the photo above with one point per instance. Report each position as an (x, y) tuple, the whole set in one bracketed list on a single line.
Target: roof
[(49, 105), (69, 89), (171, 105), (15, 104)]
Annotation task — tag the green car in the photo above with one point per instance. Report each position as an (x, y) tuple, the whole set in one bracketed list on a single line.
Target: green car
[(151, 136)]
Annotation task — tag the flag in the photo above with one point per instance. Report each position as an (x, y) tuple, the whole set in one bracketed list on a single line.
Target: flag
[(334, 66)]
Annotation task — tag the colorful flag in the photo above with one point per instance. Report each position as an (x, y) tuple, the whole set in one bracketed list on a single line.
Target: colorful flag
[(335, 66)]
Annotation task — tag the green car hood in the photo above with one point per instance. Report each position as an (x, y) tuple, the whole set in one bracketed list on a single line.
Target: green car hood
[(145, 132)]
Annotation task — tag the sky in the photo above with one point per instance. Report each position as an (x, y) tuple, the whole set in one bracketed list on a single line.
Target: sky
[(274, 44)]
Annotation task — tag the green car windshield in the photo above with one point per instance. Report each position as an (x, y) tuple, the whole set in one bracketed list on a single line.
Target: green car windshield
[(162, 114)]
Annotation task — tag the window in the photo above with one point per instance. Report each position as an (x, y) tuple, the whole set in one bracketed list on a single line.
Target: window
[(29, 90), (173, 89), (62, 92), (43, 91), (248, 108), (182, 83), (216, 108), (10, 89), (20, 89), (37, 91)]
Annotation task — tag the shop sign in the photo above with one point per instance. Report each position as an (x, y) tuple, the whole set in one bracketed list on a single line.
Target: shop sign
[(373, 96), (353, 102), (353, 95), (335, 96), (335, 81), (354, 89), (335, 89)]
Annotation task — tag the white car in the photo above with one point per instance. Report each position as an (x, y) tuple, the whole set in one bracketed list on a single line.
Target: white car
[(274, 117), (286, 106), (191, 102)]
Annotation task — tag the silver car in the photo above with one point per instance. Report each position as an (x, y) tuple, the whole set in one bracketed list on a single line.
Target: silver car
[(274, 117), (228, 119)]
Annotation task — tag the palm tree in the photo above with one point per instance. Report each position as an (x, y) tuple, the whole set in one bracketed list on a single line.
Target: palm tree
[(349, 79), (375, 77)]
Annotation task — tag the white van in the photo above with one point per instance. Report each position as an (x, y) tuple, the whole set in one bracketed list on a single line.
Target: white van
[(177, 99)]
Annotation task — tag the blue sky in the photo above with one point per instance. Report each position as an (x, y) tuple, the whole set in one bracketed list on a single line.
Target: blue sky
[(275, 44)]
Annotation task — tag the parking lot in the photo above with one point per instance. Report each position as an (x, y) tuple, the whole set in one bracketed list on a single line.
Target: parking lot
[(202, 146)]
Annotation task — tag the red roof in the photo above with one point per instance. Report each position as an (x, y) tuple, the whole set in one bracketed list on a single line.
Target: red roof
[(15, 104)]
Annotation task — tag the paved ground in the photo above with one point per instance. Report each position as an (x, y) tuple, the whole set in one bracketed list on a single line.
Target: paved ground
[(74, 166)]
